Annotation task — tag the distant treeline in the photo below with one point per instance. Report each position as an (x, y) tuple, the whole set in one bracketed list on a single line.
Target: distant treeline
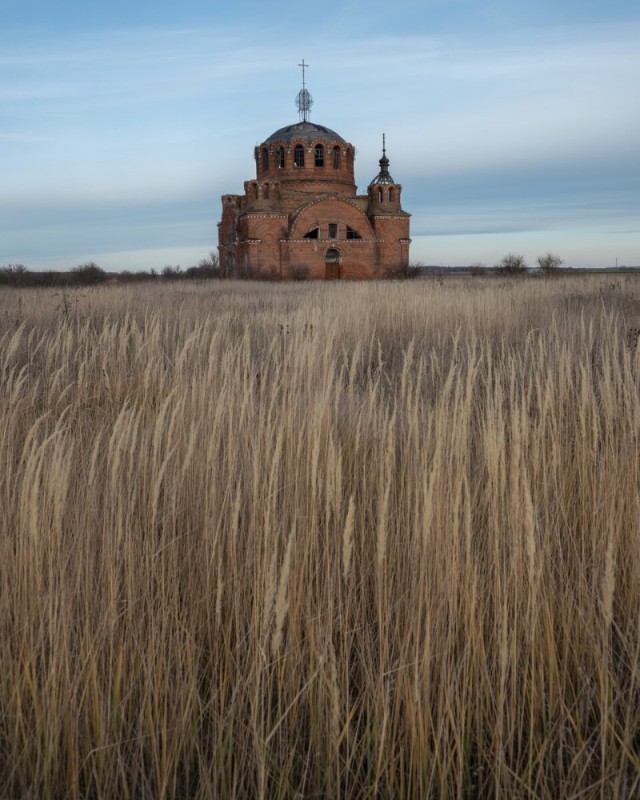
[(91, 274)]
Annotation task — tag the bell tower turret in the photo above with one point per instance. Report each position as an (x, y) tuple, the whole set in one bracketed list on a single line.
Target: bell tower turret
[(384, 192), (388, 220)]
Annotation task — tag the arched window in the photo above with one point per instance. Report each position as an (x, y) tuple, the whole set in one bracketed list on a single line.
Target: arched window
[(332, 256), (349, 156), (280, 157), (336, 158), (298, 156), (319, 155), (265, 160), (390, 195), (380, 195), (265, 191)]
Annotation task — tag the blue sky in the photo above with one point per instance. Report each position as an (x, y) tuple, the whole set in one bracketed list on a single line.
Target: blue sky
[(512, 126)]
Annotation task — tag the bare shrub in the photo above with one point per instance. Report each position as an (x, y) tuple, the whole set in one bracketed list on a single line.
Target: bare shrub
[(88, 274), (549, 263), (299, 272), (402, 272), (171, 273), (512, 264), (208, 267)]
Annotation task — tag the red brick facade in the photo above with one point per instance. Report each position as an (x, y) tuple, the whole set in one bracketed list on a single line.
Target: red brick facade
[(301, 217)]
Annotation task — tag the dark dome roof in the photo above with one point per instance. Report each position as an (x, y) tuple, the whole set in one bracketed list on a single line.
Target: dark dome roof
[(307, 131)]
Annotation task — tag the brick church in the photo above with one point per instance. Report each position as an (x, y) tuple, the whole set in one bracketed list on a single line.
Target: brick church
[(301, 216)]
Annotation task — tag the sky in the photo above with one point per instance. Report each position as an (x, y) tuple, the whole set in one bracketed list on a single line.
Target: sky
[(512, 125)]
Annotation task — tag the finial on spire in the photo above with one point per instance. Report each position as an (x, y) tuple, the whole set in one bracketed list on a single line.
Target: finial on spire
[(304, 101), (384, 161)]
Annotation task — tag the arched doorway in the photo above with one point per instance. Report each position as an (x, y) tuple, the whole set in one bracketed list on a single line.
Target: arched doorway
[(332, 264)]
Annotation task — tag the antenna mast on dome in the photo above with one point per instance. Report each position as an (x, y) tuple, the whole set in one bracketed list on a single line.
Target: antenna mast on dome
[(304, 101)]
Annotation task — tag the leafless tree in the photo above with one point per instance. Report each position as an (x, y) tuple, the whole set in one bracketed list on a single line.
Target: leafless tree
[(549, 262)]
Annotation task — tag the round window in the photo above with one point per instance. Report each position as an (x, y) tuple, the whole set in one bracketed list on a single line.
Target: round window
[(332, 256)]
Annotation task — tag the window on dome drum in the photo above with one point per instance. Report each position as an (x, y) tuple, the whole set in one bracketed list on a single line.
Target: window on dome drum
[(280, 157), (336, 158), (333, 230), (313, 234), (265, 159), (390, 195), (298, 156), (351, 234), (379, 195), (319, 155)]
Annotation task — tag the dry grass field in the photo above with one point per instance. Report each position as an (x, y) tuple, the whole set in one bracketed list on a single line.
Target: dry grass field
[(343, 541)]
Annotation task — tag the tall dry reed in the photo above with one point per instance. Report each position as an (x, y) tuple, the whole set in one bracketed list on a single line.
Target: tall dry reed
[(320, 540)]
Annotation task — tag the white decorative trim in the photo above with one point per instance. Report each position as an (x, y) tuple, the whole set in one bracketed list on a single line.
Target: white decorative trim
[(264, 216), (343, 242)]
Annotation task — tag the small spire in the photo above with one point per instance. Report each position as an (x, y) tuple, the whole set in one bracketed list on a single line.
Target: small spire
[(384, 163), (383, 176)]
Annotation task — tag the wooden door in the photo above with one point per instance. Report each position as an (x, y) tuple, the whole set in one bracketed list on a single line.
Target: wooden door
[(332, 271)]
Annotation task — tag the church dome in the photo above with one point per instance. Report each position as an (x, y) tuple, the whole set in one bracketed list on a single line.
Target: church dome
[(306, 132)]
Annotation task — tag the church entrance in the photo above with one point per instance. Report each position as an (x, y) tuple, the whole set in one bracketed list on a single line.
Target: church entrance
[(332, 264)]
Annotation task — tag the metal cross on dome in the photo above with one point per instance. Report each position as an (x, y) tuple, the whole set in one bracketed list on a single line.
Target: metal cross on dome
[(304, 101), (303, 65)]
